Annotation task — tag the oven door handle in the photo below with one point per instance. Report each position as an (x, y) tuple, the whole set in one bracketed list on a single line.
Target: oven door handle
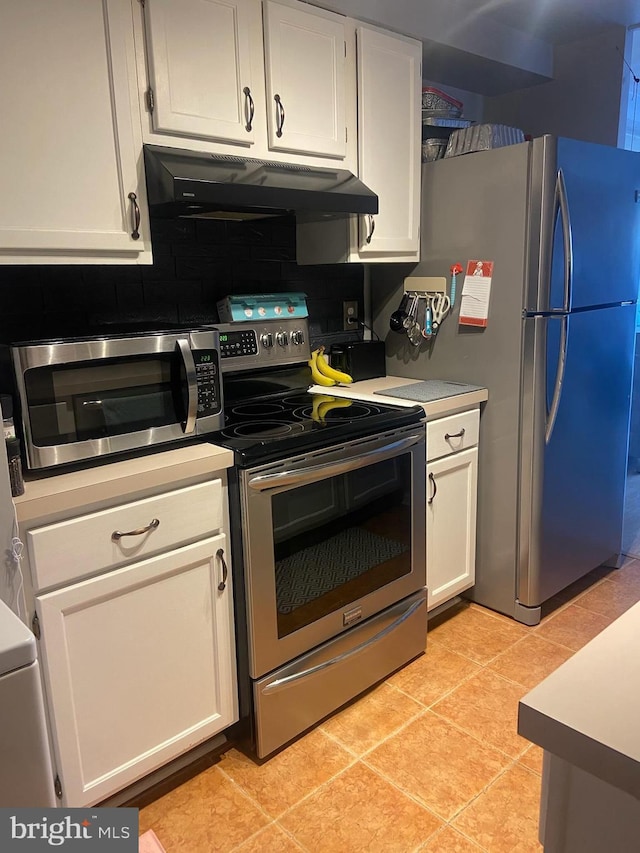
[(279, 683), (192, 384), (263, 482)]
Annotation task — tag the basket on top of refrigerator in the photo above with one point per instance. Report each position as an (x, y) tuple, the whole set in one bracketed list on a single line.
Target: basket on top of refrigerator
[(434, 99), (479, 137)]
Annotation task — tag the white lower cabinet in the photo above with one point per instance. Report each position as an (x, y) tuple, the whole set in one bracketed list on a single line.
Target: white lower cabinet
[(452, 486), (133, 607), (139, 667)]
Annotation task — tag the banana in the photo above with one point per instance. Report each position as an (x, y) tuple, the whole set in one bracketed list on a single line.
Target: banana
[(325, 368), (318, 399), (318, 377), (330, 404)]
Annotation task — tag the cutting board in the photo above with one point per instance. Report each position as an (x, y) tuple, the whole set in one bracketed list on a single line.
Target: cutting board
[(430, 389)]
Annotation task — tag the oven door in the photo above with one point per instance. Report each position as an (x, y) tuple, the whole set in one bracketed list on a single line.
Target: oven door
[(82, 399), (330, 539)]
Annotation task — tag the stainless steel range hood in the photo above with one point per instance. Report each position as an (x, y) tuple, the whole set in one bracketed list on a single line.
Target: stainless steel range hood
[(197, 184)]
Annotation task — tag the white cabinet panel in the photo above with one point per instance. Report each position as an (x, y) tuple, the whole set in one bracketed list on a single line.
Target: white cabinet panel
[(451, 525), (305, 81), (139, 667), (452, 434), (389, 122), (70, 172), (182, 516), (389, 87), (200, 69)]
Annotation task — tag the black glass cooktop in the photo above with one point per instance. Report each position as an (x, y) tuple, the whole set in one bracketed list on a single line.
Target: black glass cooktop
[(295, 421)]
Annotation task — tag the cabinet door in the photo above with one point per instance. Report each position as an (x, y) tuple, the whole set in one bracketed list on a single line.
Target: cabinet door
[(199, 67), (389, 124), (305, 79), (139, 667), (71, 142), (452, 484)]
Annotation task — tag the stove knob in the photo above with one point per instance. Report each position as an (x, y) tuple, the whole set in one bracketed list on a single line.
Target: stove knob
[(282, 338), (297, 337), (266, 340)]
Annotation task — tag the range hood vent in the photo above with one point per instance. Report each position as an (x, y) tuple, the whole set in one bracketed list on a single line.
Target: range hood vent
[(197, 184)]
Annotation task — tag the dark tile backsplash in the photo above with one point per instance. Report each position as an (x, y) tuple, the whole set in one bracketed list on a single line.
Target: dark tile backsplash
[(196, 263)]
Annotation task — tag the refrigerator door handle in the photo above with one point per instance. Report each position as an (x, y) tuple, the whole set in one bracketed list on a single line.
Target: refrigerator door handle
[(552, 413), (562, 205)]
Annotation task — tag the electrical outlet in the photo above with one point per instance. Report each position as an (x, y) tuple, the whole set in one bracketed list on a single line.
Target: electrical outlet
[(349, 313)]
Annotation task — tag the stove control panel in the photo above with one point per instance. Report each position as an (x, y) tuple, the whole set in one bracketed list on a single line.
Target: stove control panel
[(246, 346)]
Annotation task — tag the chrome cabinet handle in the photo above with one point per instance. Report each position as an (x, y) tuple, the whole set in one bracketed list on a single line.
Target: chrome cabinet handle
[(279, 115), (251, 106), (371, 227), (449, 435), (223, 582), (117, 534), (133, 198), (432, 480)]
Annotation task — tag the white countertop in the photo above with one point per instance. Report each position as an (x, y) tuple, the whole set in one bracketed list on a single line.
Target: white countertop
[(587, 712), (368, 389), (75, 489)]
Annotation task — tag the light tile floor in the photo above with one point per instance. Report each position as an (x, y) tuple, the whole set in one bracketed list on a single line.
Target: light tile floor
[(429, 760)]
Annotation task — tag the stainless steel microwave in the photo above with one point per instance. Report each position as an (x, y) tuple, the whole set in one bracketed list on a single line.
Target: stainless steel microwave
[(91, 397)]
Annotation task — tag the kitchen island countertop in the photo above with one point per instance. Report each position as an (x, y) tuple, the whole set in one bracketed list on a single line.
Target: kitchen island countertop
[(369, 389), (586, 712)]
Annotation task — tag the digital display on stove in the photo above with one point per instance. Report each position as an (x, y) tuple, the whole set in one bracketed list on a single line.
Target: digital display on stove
[(242, 342)]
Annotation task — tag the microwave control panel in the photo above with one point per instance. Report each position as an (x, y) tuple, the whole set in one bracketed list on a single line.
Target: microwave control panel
[(208, 379)]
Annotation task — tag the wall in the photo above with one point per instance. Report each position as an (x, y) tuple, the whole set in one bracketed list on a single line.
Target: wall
[(196, 263), (583, 99)]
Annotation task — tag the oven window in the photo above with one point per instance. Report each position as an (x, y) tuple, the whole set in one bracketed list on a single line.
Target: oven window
[(93, 400), (340, 539)]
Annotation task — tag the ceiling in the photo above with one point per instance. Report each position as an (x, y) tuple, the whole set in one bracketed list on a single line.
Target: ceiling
[(491, 46), (555, 21)]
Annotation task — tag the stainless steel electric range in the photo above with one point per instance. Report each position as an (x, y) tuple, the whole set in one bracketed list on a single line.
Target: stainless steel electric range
[(328, 534)]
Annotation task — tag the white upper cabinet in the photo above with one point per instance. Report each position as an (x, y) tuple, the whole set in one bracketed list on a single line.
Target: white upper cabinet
[(200, 68), (71, 175), (209, 72), (389, 89), (305, 80), (389, 127)]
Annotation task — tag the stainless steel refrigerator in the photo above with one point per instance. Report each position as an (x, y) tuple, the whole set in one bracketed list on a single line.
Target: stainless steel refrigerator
[(559, 218)]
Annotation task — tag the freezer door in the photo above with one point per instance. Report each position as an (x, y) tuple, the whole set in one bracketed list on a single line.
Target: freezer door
[(575, 423), (601, 184)]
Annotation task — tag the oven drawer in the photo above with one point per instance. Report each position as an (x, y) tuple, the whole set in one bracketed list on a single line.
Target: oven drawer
[(291, 699), (85, 545), (453, 433)]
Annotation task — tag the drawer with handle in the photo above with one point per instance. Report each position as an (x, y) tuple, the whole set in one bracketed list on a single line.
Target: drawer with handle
[(99, 541), (452, 434)]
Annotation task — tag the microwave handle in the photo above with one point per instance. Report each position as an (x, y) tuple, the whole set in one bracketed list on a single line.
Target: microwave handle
[(192, 384)]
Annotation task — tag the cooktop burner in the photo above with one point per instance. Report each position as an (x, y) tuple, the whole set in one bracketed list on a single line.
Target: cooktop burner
[(290, 423)]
